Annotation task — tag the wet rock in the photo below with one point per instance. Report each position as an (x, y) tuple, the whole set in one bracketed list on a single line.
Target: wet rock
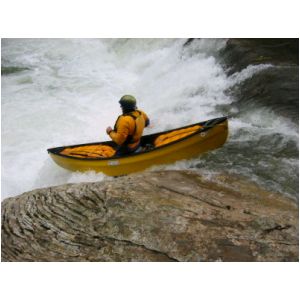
[(153, 216), (276, 88), (239, 53), (188, 42)]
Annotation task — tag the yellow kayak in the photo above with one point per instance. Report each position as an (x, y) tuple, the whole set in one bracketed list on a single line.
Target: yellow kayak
[(156, 149)]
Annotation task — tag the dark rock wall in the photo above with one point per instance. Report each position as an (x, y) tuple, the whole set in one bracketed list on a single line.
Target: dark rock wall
[(240, 53), (276, 87)]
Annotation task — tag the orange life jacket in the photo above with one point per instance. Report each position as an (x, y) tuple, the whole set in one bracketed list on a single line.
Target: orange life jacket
[(129, 128)]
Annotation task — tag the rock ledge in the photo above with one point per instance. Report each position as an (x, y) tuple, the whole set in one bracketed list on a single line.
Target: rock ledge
[(152, 216)]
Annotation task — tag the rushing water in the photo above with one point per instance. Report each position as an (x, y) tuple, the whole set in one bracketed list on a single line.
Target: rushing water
[(69, 94)]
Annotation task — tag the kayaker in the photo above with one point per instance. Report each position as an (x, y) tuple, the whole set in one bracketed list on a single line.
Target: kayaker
[(129, 127)]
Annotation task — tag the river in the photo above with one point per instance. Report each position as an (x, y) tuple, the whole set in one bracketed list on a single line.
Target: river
[(66, 91)]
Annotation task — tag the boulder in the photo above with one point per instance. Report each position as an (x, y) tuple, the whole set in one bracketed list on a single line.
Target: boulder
[(151, 216)]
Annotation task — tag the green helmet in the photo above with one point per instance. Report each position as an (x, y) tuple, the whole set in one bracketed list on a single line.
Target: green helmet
[(128, 102)]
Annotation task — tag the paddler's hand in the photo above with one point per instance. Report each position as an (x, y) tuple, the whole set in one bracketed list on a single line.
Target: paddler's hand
[(108, 130)]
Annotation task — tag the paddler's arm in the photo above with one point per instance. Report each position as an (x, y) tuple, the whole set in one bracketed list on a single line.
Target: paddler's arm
[(120, 135), (147, 120)]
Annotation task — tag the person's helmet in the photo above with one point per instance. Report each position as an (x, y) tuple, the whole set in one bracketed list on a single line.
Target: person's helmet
[(128, 102)]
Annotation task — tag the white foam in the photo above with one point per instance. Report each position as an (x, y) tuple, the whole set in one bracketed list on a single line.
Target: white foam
[(71, 94), (246, 73)]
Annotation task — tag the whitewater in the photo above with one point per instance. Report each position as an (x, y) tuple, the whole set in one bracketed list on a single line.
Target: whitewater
[(69, 92)]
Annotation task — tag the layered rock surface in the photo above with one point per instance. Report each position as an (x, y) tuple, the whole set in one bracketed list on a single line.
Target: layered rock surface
[(152, 216)]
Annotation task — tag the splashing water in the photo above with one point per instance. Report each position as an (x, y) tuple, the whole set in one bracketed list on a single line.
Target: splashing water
[(70, 95)]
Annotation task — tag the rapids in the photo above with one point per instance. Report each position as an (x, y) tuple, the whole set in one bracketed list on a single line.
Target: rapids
[(66, 91)]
